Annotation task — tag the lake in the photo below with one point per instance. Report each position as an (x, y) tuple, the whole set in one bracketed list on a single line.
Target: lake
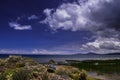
[(81, 57), (43, 59)]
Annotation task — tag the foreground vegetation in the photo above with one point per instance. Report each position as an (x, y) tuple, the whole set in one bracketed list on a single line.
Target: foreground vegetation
[(19, 68), (99, 66)]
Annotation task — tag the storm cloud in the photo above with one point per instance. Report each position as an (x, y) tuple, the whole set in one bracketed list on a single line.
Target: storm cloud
[(95, 14), (100, 17)]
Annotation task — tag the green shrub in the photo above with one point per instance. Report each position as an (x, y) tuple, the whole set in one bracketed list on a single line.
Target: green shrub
[(14, 59), (3, 77), (45, 76), (21, 74), (52, 62), (20, 64), (9, 73), (50, 70), (74, 76), (60, 72), (35, 74), (83, 75)]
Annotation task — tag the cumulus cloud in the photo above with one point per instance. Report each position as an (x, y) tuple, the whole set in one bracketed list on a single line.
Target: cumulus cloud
[(100, 17), (75, 16), (87, 15), (104, 43), (18, 26)]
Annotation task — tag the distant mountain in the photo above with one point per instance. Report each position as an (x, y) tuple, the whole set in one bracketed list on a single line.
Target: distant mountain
[(113, 54), (91, 53), (37, 55)]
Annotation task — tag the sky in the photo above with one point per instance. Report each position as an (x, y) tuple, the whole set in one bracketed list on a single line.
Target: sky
[(59, 26)]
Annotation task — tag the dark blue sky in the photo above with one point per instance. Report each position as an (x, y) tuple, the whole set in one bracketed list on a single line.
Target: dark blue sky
[(21, 28), (40, 37)]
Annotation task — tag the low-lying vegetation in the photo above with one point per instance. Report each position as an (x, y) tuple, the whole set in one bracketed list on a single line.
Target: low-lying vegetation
[(19, 68), (99, 66)]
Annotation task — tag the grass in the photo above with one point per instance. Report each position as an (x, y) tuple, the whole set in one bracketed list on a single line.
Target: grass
[(100, 66)]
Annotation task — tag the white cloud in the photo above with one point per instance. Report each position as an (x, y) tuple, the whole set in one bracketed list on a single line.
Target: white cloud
[(78, 15), (11, 51), (103, 45), (50, 52), (95, 16), (18, 26), (32, 17), (35, 51)]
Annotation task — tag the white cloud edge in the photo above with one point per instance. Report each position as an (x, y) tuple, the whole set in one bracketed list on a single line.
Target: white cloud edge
[(33, 17), (17, 26)]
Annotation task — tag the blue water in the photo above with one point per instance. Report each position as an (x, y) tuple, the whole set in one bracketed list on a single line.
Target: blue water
[(46, 58), (43, 59)]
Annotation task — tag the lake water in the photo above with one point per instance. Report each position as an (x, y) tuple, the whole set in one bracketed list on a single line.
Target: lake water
[(43, 59), (46, 58)]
